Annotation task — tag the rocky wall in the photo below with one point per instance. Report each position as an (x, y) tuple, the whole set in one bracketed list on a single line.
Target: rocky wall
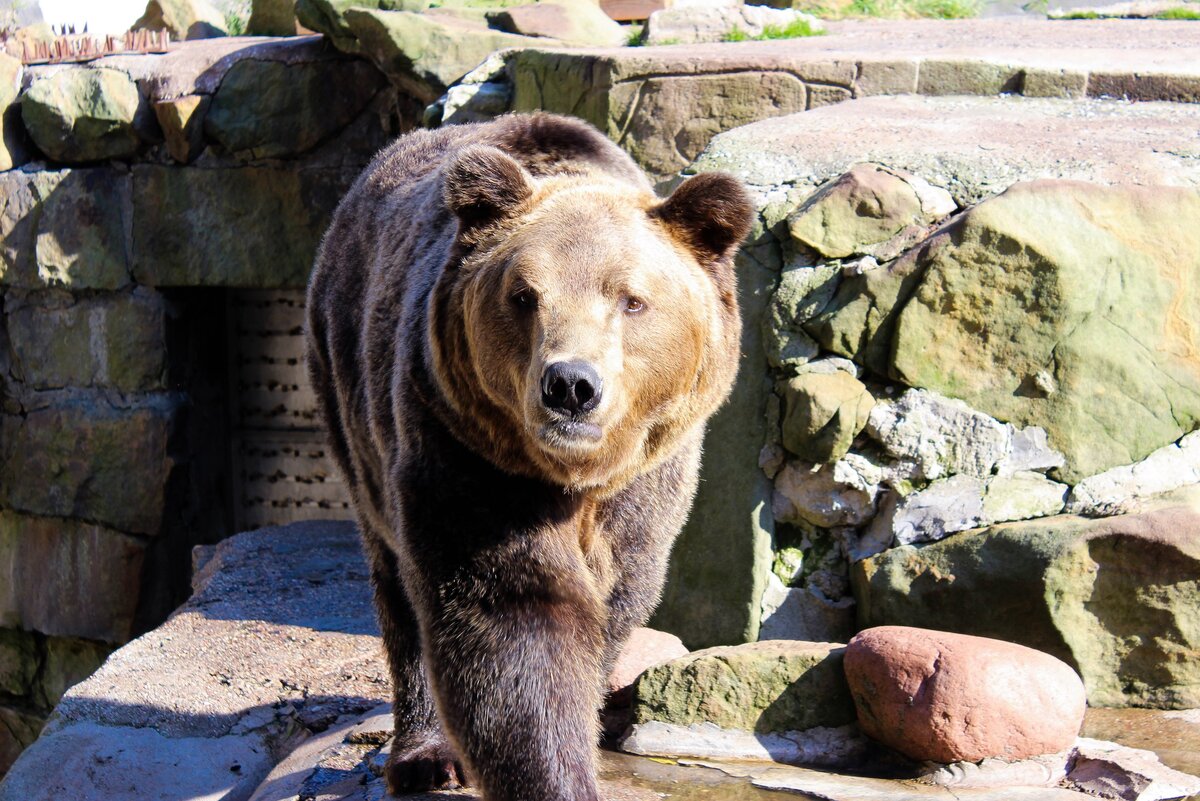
[(138, 192), (983, 384)]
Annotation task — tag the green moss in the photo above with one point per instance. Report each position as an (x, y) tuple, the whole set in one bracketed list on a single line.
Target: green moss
[(736, 34), (1080, 15)]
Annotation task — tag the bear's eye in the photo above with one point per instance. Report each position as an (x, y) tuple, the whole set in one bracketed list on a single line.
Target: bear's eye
[(524, 299), (633, 305)]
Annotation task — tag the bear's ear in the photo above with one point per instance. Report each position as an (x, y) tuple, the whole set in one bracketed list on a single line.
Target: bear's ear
[(711, 213), (483, 184)]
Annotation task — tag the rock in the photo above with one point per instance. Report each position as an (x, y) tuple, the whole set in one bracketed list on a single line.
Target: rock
[(1109, 387), (259, 226), (18, 729), (1120, 488), (941, 697), (645, 649), (278, 643), (67, 578), (963, 502), (802, 613), (423, 55), (19, 662), (863, 208), (88, 460), (76, 115), (99, 341), (944, 507), (692, 24), (271, 109), (842, 787), (182, 123), (68, 662), (823, 414), (64, 228), (183, 19), (940, 436), (722, 558), (61, 765), (1022, 496), (772, 686), (837, 747), (580, 22), (825, 495), (1030, 451), (11, 151), (272, 18), (1112, 771), (1112, 597)]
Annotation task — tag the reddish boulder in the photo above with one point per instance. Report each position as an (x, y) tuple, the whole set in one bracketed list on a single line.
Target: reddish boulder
[(946, 697), (645, 649)]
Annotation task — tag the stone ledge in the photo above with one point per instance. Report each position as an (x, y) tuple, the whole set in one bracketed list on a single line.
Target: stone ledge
[(971, 146)]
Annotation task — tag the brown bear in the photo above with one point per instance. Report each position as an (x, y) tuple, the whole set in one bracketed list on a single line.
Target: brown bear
[(516, 345)]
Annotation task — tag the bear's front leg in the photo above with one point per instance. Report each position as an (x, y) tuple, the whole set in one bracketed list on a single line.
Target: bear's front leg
[(514, 644), (422, 757)]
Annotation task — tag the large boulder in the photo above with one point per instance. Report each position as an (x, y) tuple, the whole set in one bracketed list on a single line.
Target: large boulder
[(259, 226), (573, 22), (272, 18), (1069, 306), (823, 414), (864, 208), (273, 109), (84, 458), (79, 115), (769, 686), (941, 697), (691, 23), (107, 340), (65, 228), (1115, 597), (423, 54), (10, 87), (183, 19)]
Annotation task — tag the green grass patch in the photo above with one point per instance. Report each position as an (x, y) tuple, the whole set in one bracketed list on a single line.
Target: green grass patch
[(636, 36), (1079, 15), (796, 29), (1181, 12), (891, 9)]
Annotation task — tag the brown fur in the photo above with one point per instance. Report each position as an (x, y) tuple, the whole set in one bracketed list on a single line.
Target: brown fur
[(511, 555)]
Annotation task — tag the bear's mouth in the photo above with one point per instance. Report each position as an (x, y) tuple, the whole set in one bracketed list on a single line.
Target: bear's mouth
[(571, 434)]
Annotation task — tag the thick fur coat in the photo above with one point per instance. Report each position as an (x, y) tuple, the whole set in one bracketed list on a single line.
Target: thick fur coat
[(515, 346)]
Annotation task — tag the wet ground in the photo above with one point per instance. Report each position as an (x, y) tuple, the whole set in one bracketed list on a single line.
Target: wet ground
[(1174, 736)]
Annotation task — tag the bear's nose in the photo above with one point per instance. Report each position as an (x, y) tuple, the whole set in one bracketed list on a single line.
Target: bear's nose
[(573, 387)]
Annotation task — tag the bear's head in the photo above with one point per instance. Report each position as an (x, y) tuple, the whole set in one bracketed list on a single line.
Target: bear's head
[(583, 325)]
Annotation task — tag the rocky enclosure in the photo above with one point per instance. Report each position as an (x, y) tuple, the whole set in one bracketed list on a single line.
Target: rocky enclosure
[(969, 392)]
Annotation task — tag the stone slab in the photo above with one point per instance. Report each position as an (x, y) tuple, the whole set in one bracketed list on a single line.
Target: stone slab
[(137, 763), (971, 146), (260, 226), (281, 617)]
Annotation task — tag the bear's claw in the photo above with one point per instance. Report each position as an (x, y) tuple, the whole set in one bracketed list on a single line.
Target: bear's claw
[(432, 765)]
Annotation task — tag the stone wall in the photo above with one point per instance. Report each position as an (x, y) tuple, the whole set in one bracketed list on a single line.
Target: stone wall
[(979, 322), (158, 219)]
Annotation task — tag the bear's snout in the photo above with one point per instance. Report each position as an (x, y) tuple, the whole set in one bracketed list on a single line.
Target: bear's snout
[(571, 387)]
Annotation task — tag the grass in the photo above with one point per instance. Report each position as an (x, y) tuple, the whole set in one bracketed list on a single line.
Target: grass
[(891, 9), (636, 37), (795, 29), (1179, 13)]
